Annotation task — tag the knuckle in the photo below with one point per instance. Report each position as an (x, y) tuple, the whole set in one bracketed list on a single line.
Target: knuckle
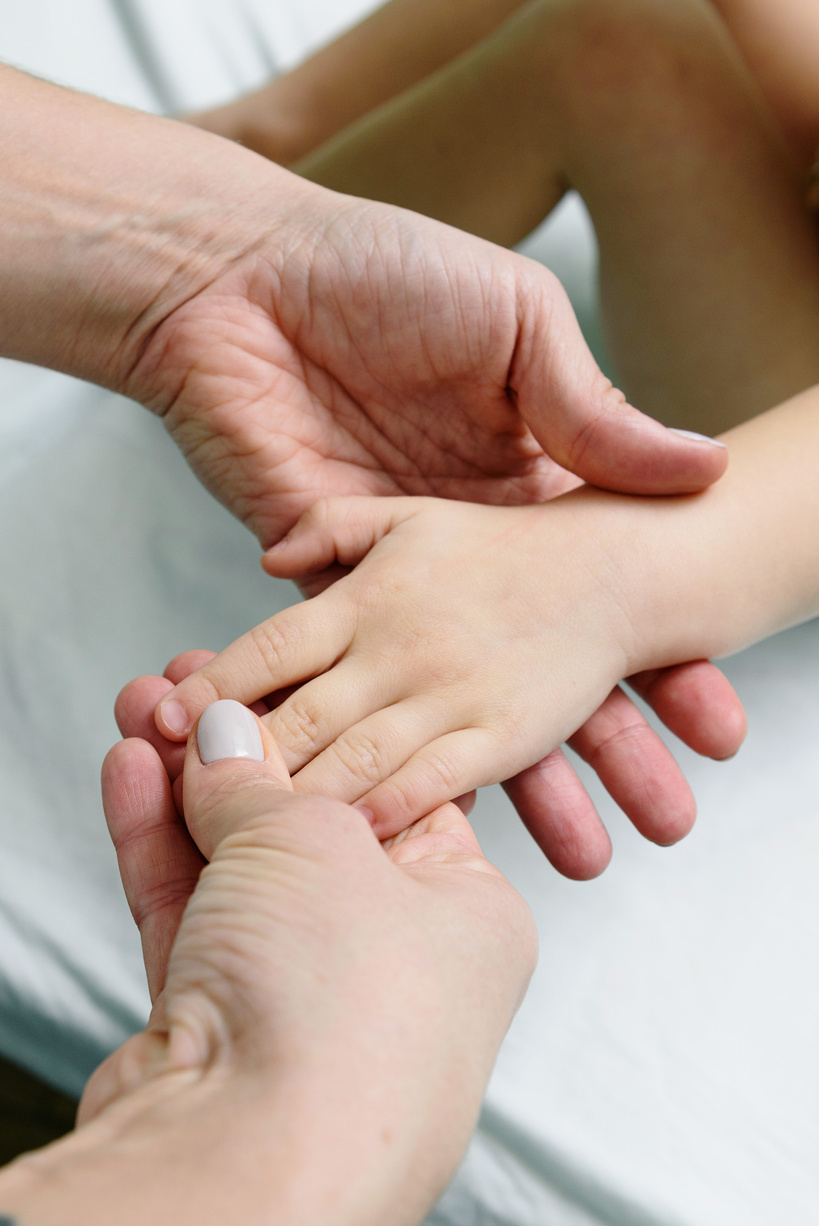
[(362, 758), (275, 643), (301, 727), (439, 772)]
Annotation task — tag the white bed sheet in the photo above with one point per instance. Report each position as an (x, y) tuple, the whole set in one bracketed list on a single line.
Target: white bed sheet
[(663, 1069)]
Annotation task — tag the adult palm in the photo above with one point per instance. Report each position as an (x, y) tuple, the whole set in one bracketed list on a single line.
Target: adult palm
[(378, 352)]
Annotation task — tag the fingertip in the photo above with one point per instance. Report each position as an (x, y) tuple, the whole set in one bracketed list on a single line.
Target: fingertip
[(629, 452), (228, 730), (669, 827), (466, 803), (579, 853), (558, 813), (731, 735), (135, 703), (233, 768), (698, 704), (229, 733), (271, 560), (707, 457), (172, 718)]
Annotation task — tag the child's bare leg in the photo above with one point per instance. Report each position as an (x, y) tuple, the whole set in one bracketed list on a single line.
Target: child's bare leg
[(779, 39), (384, 54), (709, 266)]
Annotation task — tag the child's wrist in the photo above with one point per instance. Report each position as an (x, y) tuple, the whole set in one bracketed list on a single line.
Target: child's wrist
[(646, 561)]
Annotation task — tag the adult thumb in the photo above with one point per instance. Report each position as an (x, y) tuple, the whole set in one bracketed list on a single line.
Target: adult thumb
[(234, 774), (584, 423)]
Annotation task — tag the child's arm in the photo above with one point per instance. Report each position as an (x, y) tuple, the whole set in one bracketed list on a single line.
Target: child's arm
[(386, 53), (470, 641)]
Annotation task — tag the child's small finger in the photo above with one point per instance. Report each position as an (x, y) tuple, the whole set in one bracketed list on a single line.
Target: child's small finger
[(334, 530), (334, 713), (296, 644), (558, 813), (637, 770), (371, 751), (444, 768)]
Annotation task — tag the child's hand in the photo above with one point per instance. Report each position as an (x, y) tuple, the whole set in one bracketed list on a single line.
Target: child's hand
[(467, 644)]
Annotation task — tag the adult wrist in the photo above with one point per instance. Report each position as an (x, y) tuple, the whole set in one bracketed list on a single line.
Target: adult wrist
[(209, 1146), (111, 218)]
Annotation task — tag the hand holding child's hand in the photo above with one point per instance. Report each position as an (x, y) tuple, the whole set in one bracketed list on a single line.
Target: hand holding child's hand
[(467, 644)]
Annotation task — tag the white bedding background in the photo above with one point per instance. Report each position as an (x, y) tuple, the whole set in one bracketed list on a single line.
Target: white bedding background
[(663, 1070)]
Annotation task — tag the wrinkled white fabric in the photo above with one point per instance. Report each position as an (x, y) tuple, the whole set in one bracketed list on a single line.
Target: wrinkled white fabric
[(663, 1069)]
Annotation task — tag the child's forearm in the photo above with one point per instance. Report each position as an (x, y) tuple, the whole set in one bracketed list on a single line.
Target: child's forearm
[(741, 561), (386, 53)]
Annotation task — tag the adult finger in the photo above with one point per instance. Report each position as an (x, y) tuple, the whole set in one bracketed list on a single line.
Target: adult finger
[(158, 862), (558, 813), (698, 704), (234, 772), (637, 770), (136, 703), (134, 713), (583, 422)]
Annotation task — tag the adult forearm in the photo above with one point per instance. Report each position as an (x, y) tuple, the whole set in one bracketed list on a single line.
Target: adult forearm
[(109, 219), (198, 1149)]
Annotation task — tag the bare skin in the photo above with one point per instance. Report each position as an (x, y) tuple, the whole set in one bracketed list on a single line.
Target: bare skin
[(388, 52), (299, 344), (667, 120), (711, 308), (281, 1076), (404, 702), (778, 38)]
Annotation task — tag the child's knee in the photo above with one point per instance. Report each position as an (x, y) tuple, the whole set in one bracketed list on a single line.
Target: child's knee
[(615, 46), (618, 63)]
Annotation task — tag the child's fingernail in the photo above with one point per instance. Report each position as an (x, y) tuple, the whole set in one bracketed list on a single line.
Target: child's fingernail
[(697, 438), (366, 813), (175, 716), (228, 730)]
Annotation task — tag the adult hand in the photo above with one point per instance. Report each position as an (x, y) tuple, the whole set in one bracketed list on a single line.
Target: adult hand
[(322, 1033), (381, 352), (299, 343), (361, 349)]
